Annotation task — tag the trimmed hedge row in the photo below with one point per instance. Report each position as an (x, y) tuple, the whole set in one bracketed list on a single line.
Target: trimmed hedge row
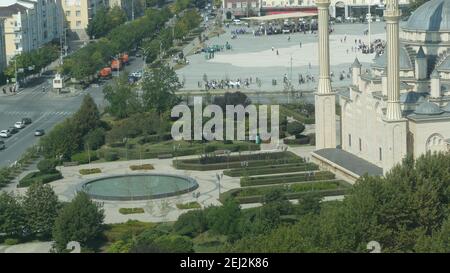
[(234, 161), (39, 177), (90, 171), (142, 167), (288, 178), (296, 187), (341, 189), (272, 169)]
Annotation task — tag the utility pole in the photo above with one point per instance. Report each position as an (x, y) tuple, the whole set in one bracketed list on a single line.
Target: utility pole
[(369, 19)]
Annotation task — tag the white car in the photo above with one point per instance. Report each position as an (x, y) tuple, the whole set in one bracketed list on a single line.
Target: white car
[(19, 125), (237, 21), (5, 133)]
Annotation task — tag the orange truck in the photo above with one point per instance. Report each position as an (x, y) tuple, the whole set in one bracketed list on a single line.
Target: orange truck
[(116, 65), (124, 58), (105, 72)]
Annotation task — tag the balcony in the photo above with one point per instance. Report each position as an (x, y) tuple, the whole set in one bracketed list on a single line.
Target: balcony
[(17, 39), (17, 28)]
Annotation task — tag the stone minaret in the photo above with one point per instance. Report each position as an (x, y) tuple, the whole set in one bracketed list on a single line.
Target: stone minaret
[(392, 15), (325, 99)]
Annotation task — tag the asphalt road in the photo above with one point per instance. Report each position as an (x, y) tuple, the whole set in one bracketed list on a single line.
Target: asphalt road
[(46, 109)]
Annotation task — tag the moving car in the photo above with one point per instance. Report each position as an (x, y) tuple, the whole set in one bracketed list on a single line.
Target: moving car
[(26, 121), (19, 125), (39, 132), (5, 133), (13, 130), (2, 145)]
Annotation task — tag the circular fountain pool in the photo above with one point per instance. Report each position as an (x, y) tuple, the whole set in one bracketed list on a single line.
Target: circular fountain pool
[(139, 186)]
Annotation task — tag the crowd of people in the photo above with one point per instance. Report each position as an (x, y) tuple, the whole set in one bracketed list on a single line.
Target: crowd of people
[(227, 83)]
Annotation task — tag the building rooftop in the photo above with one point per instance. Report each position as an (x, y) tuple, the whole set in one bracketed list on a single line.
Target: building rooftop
[(431, 16), (7, 11), (350, 162)]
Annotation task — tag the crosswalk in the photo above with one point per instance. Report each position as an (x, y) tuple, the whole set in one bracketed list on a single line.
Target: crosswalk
[(36, 114)]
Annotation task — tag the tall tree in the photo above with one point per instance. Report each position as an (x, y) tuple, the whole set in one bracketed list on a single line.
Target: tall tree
[(80, 220), (12, 216), (87, 117), (40, 205), (159, 88), (122, 98)]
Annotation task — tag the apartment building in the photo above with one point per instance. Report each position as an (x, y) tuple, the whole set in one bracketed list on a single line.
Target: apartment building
[(29, 24), (78, 13)]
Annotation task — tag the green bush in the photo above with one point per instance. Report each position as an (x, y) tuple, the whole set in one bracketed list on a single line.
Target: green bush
[(111, 156), (39, 177), (191, 223), (142, 167), (90, 171), (131, 210), (10, 241), (190, 205), (46, 166), (83, 157), (295, 128)]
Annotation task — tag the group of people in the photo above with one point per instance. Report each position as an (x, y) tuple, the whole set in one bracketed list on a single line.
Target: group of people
[(226, 84), (11, 89)]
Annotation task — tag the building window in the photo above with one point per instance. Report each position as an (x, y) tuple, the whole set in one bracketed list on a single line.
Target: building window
[(360, 146), (349, 140), (67, 13), (78, 23), (78, 13), (380, 154)]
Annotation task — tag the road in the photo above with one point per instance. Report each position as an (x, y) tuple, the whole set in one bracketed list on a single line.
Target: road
[(46, 109)]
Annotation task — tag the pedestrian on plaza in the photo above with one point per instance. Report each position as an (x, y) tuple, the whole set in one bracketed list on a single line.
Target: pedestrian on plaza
[(309, 65), (4, 90), (10, 89), (273, 49), (278, 52), (300, 44), (289, 38)]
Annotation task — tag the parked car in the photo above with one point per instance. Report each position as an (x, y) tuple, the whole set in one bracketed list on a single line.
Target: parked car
[(13, 130), (26, 121), (2, 145), (19, 125), (5, 133), (39, 132)]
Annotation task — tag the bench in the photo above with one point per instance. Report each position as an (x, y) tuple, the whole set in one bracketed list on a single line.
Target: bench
[(164, 156)]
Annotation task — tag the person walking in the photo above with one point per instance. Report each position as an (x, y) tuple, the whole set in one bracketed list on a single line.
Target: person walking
[(278, 52)]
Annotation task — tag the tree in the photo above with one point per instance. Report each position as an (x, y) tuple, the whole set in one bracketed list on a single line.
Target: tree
[(159, 88), (12, 216), (414, 4), (40, 206), (87, 117), (225, 219), (47, 166), (80, 220), (295, 128), (94, 139), (61, 141), (191, 223), (122, 98)]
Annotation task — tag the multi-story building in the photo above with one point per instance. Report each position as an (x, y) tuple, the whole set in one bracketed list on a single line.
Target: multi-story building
[(29, 24), (2, 46), (78, 13)]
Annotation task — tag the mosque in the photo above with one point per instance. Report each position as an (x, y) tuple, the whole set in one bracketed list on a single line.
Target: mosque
[(398, 106)]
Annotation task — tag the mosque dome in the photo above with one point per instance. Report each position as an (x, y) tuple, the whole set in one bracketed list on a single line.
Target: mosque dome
[(434, 15), (428, 108)]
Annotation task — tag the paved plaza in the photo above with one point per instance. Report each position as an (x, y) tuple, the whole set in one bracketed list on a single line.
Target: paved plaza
[(252, 57)]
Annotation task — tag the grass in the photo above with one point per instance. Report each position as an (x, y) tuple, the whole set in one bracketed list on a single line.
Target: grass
[(90, 171), (114, 232), (131, 210), (190, 205)]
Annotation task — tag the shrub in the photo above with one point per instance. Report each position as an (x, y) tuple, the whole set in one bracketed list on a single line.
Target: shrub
[(10, 242), (90, 171), (295, 128), (83, 158), (131, 210), (111, 156), (142, 167), (191, 223), (39, 177), (190, 205), (46, 166)]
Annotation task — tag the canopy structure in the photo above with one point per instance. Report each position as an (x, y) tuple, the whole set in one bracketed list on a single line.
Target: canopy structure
[(283, 16)]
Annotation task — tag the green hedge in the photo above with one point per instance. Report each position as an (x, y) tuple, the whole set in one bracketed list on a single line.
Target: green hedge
[(226, 162), (83, 158), (286, 178), (90, 171), (39, 177), (131, 210), (272, 169), (294, 191)]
